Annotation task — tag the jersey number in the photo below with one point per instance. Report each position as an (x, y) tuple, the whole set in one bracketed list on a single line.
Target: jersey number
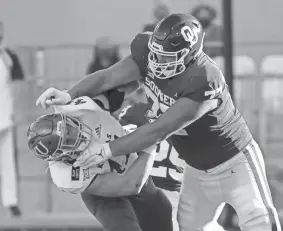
[(163, 151), (152, 114)]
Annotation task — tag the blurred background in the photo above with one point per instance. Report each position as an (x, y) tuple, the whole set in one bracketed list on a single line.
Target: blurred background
[(47, 43)]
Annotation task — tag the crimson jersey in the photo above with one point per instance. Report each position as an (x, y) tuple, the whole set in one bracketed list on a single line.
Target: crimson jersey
[(215, 137), (168, 168)]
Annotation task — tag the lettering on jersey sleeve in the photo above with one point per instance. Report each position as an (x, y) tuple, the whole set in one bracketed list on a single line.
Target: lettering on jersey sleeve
[(77, 101), (100, 165), (75, 173), (213, 93)]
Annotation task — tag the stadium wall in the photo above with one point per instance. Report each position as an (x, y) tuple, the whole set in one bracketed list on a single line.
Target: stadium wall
[(41, 22)]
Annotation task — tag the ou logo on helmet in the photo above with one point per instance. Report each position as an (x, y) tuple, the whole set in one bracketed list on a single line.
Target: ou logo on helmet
[(190, 35)]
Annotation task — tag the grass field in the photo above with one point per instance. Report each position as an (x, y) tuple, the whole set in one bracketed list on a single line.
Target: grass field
[(51, 222)]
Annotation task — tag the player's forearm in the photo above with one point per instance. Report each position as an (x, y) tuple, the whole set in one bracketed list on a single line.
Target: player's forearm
[(109, 185), (91, 85), (144, 137), (121, 73), (130, 183), (139, 172), (133, 180)]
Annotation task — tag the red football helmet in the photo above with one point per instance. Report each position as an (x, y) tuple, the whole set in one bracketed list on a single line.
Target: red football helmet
[(176, 40), (57, 137)]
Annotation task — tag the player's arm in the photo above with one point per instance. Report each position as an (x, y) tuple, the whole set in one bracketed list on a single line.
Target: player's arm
[(183, 113), (129, 69), (121, 73), (195, 101), (114, 184)]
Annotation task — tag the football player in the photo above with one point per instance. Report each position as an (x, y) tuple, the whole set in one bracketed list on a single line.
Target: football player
[(168, 168), (192, 105), (61, 137)]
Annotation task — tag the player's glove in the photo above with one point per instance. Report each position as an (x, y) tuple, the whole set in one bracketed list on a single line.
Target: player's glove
[(94, 155), (53, 96)]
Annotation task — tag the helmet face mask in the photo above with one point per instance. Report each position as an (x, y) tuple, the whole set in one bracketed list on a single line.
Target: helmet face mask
[(58, 137), (172, 64), (176, 40)]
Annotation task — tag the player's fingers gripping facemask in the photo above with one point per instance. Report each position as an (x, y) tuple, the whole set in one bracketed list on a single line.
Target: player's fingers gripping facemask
[(175, 42), (57, 137)]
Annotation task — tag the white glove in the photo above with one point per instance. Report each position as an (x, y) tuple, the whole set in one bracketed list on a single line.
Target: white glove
[(94, 155), (53, 96)]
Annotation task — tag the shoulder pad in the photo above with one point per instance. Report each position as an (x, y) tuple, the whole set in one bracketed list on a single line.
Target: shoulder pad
[(140, 50), (206, 81)]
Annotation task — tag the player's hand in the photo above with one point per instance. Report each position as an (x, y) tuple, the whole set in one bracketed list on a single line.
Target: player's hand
[(53, 96), (94, 155)]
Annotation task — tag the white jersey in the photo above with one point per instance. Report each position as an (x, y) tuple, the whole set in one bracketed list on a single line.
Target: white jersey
[(105, 128)]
